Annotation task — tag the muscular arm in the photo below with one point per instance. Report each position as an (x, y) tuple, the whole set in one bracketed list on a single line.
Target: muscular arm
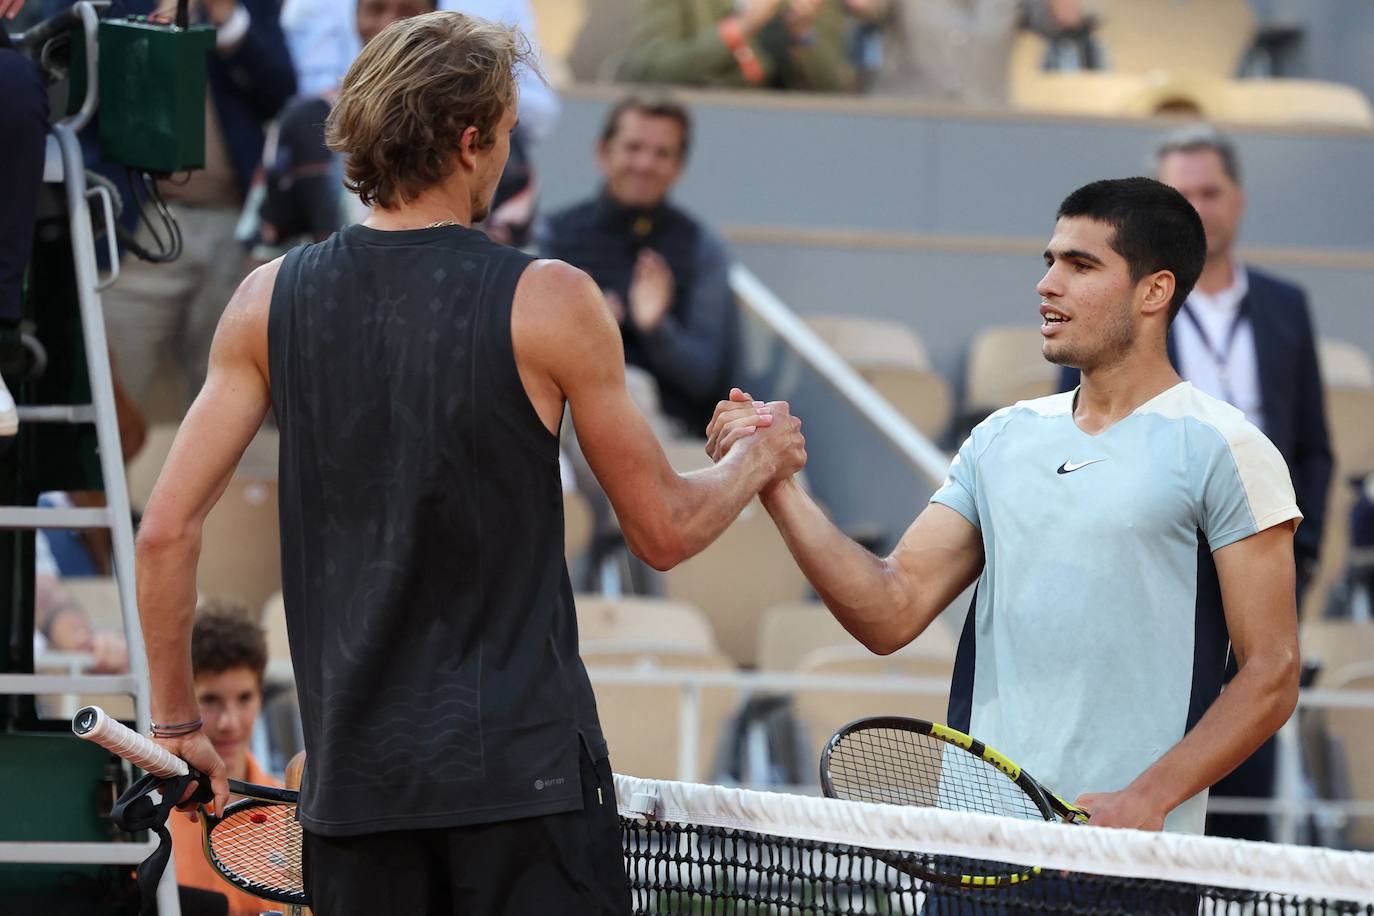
[(884, 602), (568, 346), (1257, 591), (220, 424)]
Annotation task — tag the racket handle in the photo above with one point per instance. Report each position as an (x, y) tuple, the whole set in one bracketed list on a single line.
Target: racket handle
[(93, 724)]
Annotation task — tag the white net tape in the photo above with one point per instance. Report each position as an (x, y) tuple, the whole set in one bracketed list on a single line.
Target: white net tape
[(1242, 865)]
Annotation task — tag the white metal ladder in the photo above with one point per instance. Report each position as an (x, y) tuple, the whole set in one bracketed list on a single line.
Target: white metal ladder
[(65, 165)]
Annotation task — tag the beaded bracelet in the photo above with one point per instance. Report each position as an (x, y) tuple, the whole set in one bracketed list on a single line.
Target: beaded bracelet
[(178, 730)]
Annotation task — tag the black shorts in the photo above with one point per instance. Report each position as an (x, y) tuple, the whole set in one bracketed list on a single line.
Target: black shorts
[(570, 863)]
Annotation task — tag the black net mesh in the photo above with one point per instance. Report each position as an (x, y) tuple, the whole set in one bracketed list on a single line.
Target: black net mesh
[(903, 767), (697, 869), (258, 846)]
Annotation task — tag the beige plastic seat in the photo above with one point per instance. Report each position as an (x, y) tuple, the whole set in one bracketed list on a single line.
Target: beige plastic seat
[(1344, 364), (1101, 93), (1005, 365), (577, 524), (1198, 36), (733, 581), (1336, 645), (1351, 736), (892, 358), (796, 630), (142, 471), (240, 554), (273, 622), (641, 722), (1295, 101), (635, 622), (821, 711), (1350, 418)]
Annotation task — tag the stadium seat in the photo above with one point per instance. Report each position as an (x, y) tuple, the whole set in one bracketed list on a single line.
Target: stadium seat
[(279, 670), (1344, 364), (1350, 733), (642, 722), (1335, 645), (142, 471), (1005, 365), (240, 554), (1295, 101), (1109, 94), (1349, 411), (795, 630), (577, 524), (1206, 37), (745, 571), (894, 361), (633, 623), (823, 711)]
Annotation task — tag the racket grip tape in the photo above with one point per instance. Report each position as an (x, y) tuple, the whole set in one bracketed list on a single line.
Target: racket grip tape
[(93, 724)]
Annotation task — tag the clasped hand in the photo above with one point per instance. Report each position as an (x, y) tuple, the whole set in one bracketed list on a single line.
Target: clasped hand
[(767, 425)]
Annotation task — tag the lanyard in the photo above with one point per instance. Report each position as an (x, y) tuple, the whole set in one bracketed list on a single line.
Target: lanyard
[(1221, 357)]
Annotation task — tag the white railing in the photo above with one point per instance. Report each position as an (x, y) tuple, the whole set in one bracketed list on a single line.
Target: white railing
[(1289, 804), (763, 304)]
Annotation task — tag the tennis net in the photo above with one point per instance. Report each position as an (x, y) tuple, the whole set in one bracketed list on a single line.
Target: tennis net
[(696, 849)]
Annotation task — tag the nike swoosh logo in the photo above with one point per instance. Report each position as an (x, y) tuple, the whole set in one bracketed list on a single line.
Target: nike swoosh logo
[(1068, 467)]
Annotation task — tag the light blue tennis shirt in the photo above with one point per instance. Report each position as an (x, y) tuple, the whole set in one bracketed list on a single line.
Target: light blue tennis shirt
[(1097, 638)]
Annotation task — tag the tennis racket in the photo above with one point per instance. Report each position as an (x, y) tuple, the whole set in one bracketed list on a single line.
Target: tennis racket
[(899, 761), (255, 845)]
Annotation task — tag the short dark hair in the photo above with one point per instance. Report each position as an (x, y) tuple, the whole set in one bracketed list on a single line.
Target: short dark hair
[(652, 107), (1197, 138), (225, 637), (1154, 228)]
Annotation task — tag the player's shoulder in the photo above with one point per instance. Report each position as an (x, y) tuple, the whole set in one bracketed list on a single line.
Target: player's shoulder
[(1024, 418), (1222, 426)]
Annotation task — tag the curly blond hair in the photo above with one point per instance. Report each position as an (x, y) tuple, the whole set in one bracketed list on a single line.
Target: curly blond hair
[(411, 93)]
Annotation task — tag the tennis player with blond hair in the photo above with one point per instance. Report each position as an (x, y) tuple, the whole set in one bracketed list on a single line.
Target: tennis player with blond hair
[(419, 373)]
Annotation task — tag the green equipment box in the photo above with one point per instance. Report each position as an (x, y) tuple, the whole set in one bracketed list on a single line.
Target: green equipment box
[(152, 93)]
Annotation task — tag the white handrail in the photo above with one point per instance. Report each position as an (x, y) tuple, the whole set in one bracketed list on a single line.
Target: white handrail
[(919, 452)]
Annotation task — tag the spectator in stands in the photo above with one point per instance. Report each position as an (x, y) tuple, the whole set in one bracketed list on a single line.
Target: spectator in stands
[(957, 50), (325, 37), (304, 199), (172, 308), (1246, 337), (776, 44), (61, 624), (228, 659), (665, 274)]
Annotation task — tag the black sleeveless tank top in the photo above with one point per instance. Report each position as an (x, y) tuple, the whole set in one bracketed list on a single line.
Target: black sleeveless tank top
[(428, 605)]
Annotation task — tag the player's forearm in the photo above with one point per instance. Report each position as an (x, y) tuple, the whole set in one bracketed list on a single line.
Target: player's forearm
[(858, 588), (166, 563), (694, 509), (1254, 706)]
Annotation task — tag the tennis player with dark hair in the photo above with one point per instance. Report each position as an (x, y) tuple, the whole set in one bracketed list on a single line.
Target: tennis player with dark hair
[(1121, 532), (418, 373)]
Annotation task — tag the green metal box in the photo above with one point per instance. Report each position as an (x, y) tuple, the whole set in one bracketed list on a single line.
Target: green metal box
[(152, 93)]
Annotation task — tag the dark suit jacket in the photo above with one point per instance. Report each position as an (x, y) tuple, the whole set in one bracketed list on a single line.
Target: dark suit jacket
[(1291, 395)]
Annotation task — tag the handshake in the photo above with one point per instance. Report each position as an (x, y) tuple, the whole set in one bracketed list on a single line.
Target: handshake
[(765, 432)]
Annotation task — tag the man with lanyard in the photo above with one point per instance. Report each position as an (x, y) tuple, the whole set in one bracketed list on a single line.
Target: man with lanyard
[(1246, 338)]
